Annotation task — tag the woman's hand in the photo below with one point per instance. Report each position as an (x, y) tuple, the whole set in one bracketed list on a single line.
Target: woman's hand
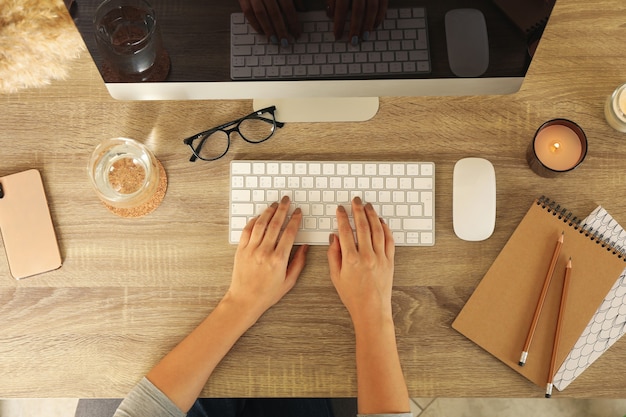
[(363, 273), (275, 19), (363, 276), (263, 273), (365, 17)]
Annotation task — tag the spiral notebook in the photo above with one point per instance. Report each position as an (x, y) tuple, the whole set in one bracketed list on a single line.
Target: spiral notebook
[(608, 324), (498, 314)]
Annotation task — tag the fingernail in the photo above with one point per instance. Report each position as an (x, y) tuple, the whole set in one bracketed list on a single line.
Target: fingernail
[(357, 200), (341, 209), (366, 36), (382, 220), (284, 42), (274, 204), (297, 211), (285, 199), (331, 238), (274, 39), (368, 206), (355, 40)]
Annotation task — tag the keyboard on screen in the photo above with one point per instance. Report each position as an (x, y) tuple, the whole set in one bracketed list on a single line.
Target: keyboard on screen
[(402, 193), (398, 47)]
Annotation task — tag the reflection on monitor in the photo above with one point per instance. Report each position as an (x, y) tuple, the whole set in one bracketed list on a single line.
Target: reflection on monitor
[(215, 54)]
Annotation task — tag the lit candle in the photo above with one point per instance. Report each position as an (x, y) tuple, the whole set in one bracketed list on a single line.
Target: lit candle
[(559, 145)]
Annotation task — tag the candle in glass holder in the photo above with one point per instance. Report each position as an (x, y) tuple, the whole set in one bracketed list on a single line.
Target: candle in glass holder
[(615, 109), (559, 145)]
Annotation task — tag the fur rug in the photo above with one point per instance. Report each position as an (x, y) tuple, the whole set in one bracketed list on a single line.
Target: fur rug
[(38, 40)]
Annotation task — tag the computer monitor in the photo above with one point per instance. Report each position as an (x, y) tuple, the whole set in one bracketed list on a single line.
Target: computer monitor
[(196, 34)]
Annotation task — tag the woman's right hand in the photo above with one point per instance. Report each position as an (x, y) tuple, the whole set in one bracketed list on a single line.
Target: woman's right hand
[(363, 276), (362, 273)]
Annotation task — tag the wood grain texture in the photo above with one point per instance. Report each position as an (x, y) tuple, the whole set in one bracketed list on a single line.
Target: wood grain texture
[(130, 289)]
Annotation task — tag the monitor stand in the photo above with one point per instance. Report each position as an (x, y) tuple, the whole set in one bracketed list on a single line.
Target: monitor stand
[(321, 109)]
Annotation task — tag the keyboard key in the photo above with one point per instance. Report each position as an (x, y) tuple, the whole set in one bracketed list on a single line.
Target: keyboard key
[(300, 196), (317, 209), (427, 169), (412, 237), (310, 223), (315, 196), (423, 183), (411, 23), (240, 168), (237, 182), (417, 224), (241, 72), (319, 238), (242, 209), (272, 195), (238, 222), (258, 195), (241, 195), (398, 237)]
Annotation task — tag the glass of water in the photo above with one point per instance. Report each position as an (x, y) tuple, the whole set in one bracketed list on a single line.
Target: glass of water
[(124, 173), (129, 39)]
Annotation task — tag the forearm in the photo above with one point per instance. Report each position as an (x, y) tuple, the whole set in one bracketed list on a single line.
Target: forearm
[(380, 381), (182, 374)]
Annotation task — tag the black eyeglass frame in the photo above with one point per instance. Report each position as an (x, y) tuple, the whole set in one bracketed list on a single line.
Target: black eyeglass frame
[(224, 128)]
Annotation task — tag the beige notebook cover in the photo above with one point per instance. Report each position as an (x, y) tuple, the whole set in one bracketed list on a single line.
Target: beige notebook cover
[(498, 314)]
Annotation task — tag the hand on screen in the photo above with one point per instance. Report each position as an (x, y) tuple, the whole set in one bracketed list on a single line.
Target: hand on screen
[(263, 272), (362, 273), (276, 19), (365, 16)]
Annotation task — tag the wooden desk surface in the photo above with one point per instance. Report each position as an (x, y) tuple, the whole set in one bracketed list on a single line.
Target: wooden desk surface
[(129, 290)]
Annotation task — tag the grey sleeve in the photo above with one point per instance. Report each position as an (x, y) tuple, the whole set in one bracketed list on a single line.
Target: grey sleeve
[(386, 415), (146, 400)]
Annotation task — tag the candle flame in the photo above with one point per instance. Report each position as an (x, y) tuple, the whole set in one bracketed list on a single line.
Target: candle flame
[(555, 147)]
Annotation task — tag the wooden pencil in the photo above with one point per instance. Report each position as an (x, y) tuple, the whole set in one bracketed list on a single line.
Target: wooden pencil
[(542, 299), (557, 334)]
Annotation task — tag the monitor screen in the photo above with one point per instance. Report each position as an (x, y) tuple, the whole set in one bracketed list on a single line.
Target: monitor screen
[(197, 37)]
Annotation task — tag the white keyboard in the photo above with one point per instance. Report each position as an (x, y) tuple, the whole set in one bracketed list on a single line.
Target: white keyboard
[(402, 193)]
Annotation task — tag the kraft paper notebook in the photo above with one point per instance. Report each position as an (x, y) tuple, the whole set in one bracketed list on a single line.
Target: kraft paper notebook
[(498, 314)]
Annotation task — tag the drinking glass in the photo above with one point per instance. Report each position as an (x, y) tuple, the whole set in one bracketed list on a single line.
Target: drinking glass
[(124, 173), (129, 39)]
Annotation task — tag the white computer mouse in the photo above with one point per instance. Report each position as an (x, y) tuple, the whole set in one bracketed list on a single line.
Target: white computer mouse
[(473, 199)]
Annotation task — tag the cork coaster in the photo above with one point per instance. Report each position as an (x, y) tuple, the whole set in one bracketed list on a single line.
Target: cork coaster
[(148, 207)]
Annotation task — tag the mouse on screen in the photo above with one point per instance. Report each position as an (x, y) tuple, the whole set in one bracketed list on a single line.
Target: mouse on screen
[(467, 42), (473, 199)]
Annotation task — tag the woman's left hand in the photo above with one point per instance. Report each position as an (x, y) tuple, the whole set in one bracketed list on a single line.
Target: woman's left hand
[(263, 272)]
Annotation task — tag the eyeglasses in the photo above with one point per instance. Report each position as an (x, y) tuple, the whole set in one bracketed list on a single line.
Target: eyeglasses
[(256, 127)]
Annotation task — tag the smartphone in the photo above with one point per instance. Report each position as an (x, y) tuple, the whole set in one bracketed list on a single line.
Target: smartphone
[(26, 226)]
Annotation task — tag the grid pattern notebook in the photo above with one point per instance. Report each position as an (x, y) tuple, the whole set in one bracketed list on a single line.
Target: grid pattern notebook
[(608, 324), (498, 314)]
